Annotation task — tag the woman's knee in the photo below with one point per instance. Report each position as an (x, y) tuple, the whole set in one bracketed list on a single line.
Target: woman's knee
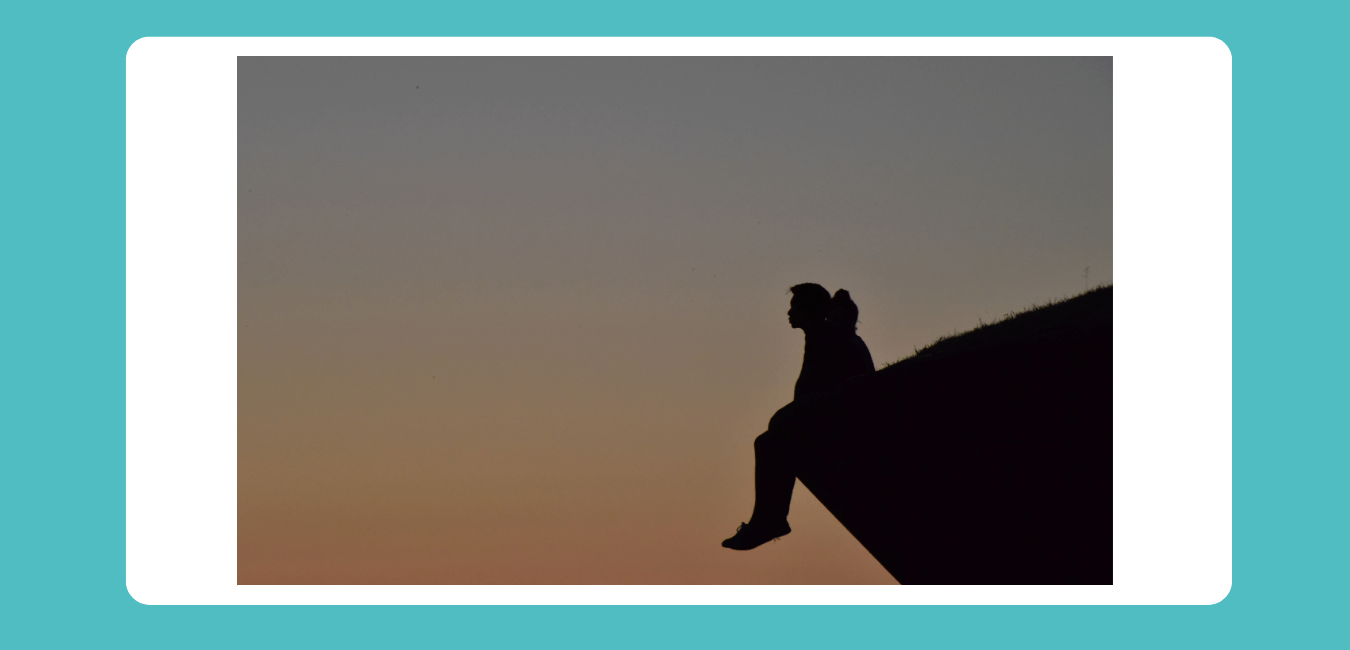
[(765, 442)]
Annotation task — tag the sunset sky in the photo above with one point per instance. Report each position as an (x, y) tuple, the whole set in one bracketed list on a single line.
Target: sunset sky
[(519, 320)]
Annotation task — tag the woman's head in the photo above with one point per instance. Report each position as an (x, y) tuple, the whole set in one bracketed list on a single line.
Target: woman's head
[(843, 312)]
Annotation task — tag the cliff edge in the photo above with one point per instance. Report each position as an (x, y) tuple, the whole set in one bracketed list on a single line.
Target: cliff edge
[(982, 459)]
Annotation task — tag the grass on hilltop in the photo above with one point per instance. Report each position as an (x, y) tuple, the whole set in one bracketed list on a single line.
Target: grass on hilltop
[(1065, 312)]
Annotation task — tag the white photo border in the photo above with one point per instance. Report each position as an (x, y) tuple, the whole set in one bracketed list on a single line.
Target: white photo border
[(1172, 241)]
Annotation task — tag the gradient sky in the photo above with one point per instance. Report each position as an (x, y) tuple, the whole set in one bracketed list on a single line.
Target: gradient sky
[(519, 320)]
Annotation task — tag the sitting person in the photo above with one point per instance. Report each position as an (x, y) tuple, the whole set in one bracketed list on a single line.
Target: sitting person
[(834, 353)]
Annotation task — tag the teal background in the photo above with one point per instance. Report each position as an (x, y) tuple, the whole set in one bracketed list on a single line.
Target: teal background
[(62, 381)]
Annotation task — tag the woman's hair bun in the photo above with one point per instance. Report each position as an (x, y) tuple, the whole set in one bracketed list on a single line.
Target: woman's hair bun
[(843, 311)]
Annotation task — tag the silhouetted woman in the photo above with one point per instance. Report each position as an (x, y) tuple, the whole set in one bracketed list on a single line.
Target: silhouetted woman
[(850, 353), (834, 353)]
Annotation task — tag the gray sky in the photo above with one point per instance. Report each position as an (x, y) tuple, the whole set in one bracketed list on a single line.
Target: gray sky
[(519, 319)]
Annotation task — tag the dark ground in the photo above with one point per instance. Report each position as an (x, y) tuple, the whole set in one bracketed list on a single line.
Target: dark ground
[(983, 459)]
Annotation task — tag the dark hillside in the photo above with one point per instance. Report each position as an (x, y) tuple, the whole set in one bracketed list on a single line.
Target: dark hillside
[(1092, 308), (983, 459)]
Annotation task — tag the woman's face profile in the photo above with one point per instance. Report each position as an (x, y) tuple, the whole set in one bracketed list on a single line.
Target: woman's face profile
[(797, 314)]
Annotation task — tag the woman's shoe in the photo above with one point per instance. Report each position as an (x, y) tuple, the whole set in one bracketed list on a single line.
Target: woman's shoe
[(749, 536)]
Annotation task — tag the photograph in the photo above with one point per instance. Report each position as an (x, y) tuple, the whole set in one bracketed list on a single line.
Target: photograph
[(675, 320)]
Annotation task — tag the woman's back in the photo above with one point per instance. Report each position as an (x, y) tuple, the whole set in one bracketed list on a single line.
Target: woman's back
[(854, 357)]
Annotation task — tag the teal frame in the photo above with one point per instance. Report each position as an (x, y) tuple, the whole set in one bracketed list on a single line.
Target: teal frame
[(62, 259)]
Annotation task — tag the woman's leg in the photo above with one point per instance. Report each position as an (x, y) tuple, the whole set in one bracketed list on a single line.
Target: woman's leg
[(774, 479)]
